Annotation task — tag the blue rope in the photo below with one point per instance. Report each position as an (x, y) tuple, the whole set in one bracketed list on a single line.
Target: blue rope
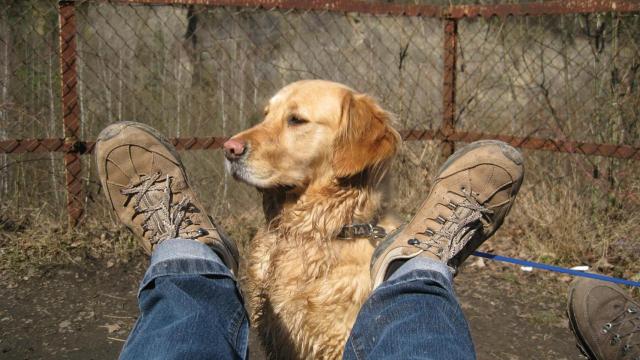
[(556, 269)]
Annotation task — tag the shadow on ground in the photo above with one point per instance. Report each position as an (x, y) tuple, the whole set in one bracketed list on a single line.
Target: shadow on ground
[(86, 311)]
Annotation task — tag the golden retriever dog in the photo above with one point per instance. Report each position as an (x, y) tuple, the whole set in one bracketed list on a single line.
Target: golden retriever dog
[(319, 159)]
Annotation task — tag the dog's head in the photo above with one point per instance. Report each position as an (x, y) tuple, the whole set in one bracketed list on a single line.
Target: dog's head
[(312, 131)]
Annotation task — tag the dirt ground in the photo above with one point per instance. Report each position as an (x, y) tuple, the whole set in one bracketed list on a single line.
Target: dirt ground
[(86, 311)]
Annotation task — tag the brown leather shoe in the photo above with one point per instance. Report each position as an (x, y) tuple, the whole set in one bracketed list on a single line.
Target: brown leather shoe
[(604, 319), (470, 197), (147, 187)]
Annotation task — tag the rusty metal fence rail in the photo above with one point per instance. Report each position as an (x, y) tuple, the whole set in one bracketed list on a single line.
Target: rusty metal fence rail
[(545, 76)]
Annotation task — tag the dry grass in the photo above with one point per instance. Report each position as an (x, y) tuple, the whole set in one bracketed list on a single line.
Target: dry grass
[(33, 241), (30, 242), (562, 216)]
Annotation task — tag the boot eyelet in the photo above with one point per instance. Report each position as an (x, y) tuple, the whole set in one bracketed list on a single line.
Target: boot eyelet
[(615, 339), (413, 242), (440, 220)]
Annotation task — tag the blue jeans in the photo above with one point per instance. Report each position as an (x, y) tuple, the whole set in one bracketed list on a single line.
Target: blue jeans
[(191, 308)]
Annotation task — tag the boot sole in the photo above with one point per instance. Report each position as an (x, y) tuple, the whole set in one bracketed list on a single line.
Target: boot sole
[(113, 130), (581, 344), (509, 151)]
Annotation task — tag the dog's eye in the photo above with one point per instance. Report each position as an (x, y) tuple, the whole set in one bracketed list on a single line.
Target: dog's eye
[(296, 121)]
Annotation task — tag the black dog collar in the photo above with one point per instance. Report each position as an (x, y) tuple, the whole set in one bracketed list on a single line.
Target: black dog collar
[(354, 231)]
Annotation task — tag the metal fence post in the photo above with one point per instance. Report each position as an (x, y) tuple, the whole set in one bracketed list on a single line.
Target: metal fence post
[(70, 111), (447, 127)]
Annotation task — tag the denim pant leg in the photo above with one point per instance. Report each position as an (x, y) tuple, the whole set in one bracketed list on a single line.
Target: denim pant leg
[(190, 307), (412, 315)]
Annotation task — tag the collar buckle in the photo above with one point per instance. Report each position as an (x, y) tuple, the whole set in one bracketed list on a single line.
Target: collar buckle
[(378, 232)]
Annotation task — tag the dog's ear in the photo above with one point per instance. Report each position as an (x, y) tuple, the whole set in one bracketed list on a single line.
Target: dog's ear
[(365, 139)]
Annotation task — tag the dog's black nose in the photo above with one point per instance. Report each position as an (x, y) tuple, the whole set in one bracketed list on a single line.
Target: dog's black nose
[(234, 149)]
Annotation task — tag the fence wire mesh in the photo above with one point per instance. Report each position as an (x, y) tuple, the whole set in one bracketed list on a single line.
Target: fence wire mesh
[(30, 102), (29, 80), (190, 70), (201, 70), (206, 71), (561, 77)]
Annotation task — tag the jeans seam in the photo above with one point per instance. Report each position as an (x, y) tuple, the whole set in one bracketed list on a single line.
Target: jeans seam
[(355, 343), (133, 331), (356, 350), (235, 324)]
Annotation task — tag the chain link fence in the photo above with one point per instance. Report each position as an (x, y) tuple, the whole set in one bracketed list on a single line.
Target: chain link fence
[(562, 77), (209, 70), (30, 104), (552, 77)]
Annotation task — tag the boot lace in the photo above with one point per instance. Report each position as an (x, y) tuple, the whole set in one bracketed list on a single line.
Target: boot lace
[(162, 219), (630, 315), (456, 230)]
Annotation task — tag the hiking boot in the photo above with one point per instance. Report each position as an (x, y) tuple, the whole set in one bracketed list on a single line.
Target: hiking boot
[(604, 319), (471, 194), (147, 187)]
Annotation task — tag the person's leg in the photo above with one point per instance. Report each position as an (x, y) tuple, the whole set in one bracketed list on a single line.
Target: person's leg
[(413, 311), (190, 307), (189, 301), (412, 315)]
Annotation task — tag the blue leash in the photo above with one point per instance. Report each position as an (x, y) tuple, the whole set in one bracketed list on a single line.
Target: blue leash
[(556, 269)]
